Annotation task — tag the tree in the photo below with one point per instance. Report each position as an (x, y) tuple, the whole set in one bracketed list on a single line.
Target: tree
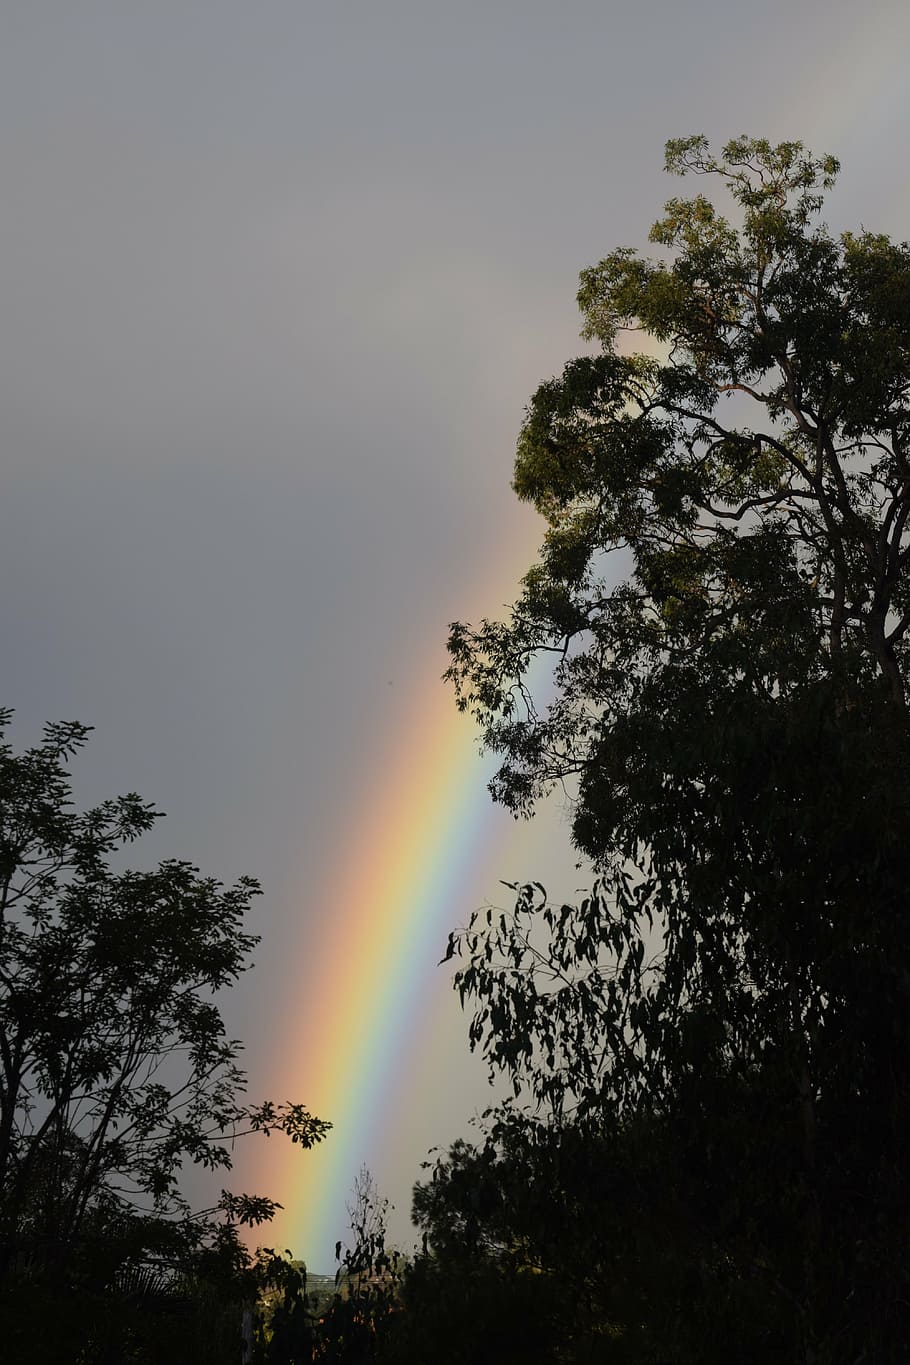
[(730, 720), (358, 1325), (114, 1065), (287, 1324), (556, 1242)]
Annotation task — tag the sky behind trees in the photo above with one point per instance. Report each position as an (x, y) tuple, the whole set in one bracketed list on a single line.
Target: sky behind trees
[(278, 281)]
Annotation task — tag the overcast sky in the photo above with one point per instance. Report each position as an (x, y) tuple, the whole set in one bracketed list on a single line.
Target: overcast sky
[(277, 281)]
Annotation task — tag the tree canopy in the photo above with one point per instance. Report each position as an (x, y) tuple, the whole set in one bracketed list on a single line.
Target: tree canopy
[(752, 464), (723, 590)]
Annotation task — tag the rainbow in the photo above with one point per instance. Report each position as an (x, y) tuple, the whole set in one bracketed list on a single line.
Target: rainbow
[(389, 913), (397, 902), (376, 933)]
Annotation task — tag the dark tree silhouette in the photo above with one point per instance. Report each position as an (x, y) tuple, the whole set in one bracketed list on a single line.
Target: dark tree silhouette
[(730, 722), (115, 1069)]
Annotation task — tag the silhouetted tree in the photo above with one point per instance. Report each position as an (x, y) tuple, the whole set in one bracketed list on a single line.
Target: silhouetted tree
[(730, 719), (288, 1324), (114, 1066), (357, 1326)]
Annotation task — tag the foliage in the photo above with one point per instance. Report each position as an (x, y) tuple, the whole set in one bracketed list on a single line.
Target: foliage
[(730, 722), (358, 1324), (458, 1306), (559, 1242), (114, 1067), (756, 478), (483, 1288), (287, 1324), (474, 1313)]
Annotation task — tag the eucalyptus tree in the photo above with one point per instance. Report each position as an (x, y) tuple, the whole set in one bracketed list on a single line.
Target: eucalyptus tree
[(723, 591)]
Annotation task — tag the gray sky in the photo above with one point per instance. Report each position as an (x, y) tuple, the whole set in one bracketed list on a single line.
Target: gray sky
[(277, 281)]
